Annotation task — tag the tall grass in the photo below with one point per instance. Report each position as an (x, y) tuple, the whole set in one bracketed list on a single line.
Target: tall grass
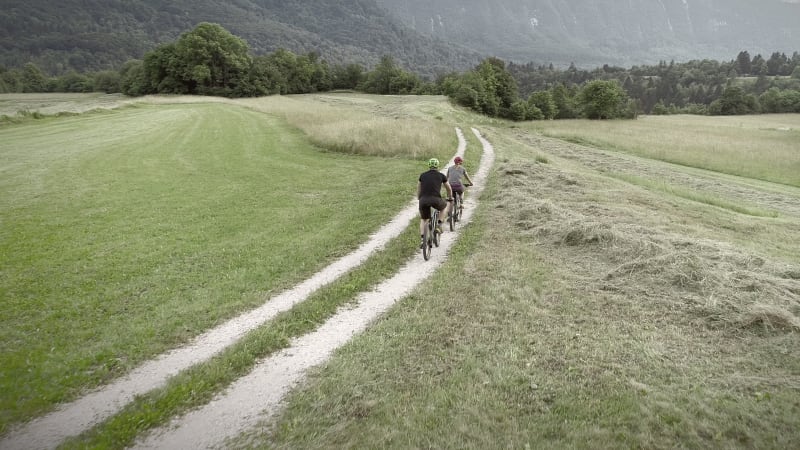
[(763, 147), (358, 131)]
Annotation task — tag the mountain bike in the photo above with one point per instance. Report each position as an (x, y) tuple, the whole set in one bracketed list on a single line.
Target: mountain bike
[(457, 210), (430, 236)]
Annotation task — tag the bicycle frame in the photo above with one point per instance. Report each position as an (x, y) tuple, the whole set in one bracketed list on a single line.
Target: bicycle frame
[(430, 236)]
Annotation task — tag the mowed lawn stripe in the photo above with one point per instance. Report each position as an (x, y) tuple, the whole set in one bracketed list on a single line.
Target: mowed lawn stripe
[(126, 233)]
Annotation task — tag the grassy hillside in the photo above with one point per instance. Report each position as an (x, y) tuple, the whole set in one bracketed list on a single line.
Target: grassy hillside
[(603, 297)]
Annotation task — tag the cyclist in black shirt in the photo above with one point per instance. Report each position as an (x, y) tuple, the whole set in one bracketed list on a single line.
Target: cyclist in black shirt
[(429, 193)]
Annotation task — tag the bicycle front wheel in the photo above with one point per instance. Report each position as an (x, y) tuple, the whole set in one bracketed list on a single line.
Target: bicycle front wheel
[(434, 225), (451, 219), (426, 242)]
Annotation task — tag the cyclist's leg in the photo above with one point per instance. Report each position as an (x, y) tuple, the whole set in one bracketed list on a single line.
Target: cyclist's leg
[(442, 206), (457, 199), (458, 193), (424, 217)]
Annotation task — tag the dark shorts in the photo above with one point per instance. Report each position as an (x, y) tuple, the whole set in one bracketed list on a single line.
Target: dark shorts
[(425, 204), (457, 187)]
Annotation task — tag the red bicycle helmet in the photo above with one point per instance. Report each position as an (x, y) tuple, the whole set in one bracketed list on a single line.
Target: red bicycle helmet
[(458, 160)]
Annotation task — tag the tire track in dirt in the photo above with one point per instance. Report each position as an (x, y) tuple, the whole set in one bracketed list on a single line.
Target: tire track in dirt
[(257, 396), (80, 415)]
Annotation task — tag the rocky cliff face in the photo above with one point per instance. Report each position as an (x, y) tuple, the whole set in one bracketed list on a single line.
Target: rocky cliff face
[(624, 32)]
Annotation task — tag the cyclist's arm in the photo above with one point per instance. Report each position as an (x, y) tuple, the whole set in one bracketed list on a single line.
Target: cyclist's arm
[(466, 175), (449, 189), (419, 188)]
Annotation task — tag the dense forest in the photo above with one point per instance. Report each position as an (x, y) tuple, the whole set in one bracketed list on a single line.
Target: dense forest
[(209, 60), (94, 35), (696, 87)]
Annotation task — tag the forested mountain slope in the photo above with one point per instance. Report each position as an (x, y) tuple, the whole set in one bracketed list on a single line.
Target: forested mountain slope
[(596, 32), (427, 37), (87, 35)]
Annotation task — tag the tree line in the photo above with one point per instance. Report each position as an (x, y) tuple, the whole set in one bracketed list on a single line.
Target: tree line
[(742, 86), (209, 60)]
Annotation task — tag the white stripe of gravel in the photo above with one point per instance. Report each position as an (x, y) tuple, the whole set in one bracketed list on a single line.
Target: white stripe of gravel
[(256, 396), (73, 418)]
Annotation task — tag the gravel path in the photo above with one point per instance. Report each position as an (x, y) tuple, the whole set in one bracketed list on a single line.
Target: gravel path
[(247, 401)]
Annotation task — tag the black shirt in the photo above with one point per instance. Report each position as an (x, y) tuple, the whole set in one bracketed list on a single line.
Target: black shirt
[(431, 183)]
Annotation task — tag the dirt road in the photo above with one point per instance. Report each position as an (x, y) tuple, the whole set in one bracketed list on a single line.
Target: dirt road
[(258, 394)]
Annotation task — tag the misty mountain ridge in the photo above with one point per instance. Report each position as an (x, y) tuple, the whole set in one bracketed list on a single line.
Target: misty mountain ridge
[(597, 32), (428, 37)]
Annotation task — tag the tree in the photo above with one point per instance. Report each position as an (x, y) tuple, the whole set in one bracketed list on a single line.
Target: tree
[(518, 111), (501, 88), (603, 99), (210, 60), (543, 101), (33, 80), (743, 63), (381, 79), (734, 101), (264, 79), (133, 79), (660, 109), (770, 100), (564, 98), (347, 77), (775, 63), (107, 81), (10, 80), (74, 82)]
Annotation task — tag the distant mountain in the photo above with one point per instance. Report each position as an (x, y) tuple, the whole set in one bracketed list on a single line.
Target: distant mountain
[(616, 32), (425, 36), (88, 35)]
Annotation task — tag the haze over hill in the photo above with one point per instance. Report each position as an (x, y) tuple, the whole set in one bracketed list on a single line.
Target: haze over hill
[(427, 37), (596, 32)]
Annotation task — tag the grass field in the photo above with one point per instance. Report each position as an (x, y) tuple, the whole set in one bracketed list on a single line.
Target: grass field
[(762, 147), (591, 312), (620, 287), (127, 232)]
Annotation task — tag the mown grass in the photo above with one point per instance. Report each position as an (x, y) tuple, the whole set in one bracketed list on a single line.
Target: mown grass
[(760, 147), (127, 233), (197, 385), (575, 313), (19, 107), (666, 187)]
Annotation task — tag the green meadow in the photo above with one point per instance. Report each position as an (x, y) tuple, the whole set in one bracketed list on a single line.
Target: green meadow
[(628, 284)]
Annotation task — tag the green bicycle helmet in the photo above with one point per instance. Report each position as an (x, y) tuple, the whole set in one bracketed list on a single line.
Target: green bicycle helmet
[(433, 163)]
